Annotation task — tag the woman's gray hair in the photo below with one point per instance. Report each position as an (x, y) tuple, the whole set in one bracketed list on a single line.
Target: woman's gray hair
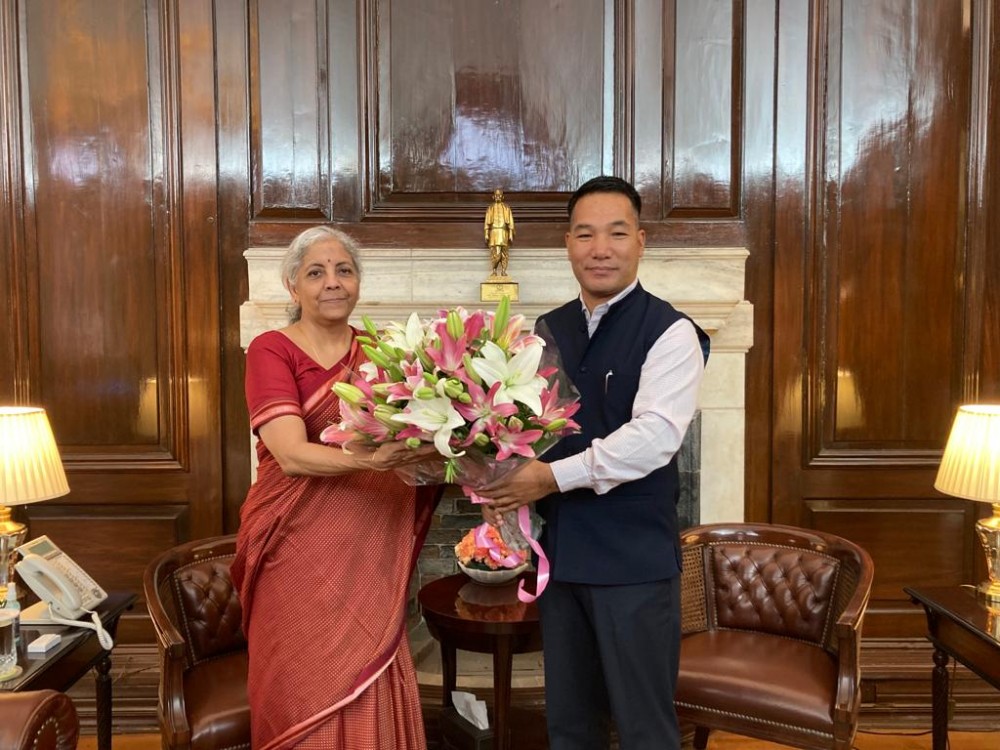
[(291, 264)]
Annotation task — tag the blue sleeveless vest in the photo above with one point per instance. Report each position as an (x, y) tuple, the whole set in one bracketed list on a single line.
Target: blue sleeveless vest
[(628, 535)]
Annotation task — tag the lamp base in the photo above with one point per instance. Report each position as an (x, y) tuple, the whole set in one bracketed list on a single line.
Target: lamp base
[(988, 530)]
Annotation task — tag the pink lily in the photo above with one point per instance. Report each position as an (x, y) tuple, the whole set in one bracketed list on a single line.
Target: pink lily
[(482, 409), (362, 422), (552, 410), (512, 439), (507, 338), (414, 378), (449, 357)]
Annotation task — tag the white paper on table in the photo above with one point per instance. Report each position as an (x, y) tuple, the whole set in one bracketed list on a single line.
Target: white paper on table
[(470, 709)]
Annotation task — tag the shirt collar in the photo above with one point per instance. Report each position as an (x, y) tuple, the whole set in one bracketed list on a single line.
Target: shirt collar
[(602, 308), (594, 318)]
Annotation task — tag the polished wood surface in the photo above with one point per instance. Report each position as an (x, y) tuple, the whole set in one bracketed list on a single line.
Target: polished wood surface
[(963, 628), (114, 272), (875, 339), (463, 614)]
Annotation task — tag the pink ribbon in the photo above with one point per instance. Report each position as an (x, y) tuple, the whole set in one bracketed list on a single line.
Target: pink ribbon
[(542, 579), (483, 539), (523, 523)]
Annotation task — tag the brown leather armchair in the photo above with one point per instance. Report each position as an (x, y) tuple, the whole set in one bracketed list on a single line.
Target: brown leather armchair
[(203, 652), (771, 620), (38, 720)]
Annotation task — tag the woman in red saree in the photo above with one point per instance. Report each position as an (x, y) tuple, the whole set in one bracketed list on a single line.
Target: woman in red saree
[(327, 539)]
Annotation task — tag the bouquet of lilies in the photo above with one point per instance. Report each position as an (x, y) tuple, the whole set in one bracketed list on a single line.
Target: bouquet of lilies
[(487, 395), (471, 383)]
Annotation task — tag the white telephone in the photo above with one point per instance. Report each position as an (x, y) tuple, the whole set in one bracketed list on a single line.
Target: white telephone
[(62, 585)]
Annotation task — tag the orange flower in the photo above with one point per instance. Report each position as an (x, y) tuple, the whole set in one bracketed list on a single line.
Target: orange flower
[(479, 557)]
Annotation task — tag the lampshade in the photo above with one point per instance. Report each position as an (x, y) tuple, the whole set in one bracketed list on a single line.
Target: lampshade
[(970, 467), (30, 467)]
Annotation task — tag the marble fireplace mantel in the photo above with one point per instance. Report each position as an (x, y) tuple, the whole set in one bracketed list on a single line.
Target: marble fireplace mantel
[(705, 283)]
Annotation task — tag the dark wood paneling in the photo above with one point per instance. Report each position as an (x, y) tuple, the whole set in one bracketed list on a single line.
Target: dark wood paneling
[(13, 344), (232, 84), (702, 123), (474, 95), (876, 318), (290, 93), (114, 270), (889, 250), (911, 541), (118, 542), (93, 178), (451, 99)]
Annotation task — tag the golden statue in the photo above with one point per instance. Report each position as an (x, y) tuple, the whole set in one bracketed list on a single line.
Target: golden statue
[(498, 230)]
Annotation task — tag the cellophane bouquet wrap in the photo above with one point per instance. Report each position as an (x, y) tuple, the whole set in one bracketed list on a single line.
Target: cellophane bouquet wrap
[(486, 394)]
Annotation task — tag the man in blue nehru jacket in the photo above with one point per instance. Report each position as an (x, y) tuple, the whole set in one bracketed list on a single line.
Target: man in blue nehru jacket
[(611, 613)]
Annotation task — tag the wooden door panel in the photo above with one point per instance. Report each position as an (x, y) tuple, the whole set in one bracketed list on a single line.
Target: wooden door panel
[(114, 271), (877, 321), (890, 254), (88, 110)]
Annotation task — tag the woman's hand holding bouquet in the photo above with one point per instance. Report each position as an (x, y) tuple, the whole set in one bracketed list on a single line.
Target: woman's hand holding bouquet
[(486, 395)]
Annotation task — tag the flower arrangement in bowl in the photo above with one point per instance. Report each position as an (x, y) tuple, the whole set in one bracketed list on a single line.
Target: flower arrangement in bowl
[(486, 558)]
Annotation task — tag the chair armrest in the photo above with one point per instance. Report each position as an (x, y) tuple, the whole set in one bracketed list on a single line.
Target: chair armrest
[(169, 638), (173, 711), (848, 635), (173, 648), (38, 719)]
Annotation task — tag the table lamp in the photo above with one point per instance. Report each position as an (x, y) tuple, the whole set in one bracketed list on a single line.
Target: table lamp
[(30, 471), (970, 469)]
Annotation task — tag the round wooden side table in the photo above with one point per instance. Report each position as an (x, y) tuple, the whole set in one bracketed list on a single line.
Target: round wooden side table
[(462, 614)]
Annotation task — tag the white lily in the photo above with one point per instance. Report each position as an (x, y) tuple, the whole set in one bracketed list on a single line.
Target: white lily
[(435, 415), (369, 371), (518, 376), (409, 338)]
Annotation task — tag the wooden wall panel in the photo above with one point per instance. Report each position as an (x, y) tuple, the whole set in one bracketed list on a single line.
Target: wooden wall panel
[(453, 98), (912, 541), (704, 134), (291, 152), (94, 323), (113, 270), (889, 257), (878, 311), (475, 95)]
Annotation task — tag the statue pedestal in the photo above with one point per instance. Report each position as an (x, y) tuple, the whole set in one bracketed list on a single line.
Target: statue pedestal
[(497, 287)]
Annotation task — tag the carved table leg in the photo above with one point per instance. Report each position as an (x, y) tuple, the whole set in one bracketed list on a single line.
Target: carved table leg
[(449, 673), (503, 663), (939, 697), (103, 680)]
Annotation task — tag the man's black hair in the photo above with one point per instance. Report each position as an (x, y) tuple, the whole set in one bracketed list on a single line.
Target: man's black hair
[(606, 184)]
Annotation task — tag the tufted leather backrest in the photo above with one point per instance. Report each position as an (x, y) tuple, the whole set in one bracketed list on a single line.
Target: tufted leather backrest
[(207, 608), (780, 590)]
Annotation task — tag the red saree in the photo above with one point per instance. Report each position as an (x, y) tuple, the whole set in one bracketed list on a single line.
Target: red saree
[(323, 567)]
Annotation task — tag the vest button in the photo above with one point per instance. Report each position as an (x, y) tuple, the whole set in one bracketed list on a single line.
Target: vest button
[(583, 369)]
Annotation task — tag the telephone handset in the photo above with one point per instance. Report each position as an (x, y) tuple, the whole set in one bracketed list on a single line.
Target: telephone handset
[(62, 584)]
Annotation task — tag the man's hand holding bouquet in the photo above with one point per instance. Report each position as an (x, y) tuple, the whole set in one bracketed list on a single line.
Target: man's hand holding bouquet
[(488, 396)]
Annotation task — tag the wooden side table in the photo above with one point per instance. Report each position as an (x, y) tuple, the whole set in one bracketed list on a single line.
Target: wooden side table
[(77, 653), (465, 615), (962, 628)]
